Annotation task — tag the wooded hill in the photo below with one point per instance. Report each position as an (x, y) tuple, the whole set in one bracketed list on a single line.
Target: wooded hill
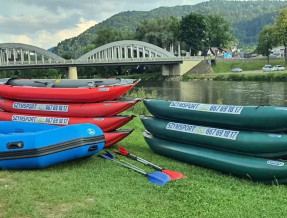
[(247, 19)]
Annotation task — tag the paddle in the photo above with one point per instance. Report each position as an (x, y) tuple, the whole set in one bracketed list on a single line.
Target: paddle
[(158, 178), (172, 174)]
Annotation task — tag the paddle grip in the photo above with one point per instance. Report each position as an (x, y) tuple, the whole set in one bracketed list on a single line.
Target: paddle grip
[(134, 157), (149, 164)]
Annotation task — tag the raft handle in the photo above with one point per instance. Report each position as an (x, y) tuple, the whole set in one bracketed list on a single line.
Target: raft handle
[(15, 145), (93, 148)]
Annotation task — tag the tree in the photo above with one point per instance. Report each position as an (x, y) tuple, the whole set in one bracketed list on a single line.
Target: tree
[(265, 41), (219, 31), (280, 31), (162, 32), (194, 32), (107, 35)]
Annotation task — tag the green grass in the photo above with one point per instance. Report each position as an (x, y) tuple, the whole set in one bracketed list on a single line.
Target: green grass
[(271, 76), (225, 66), (95, 187)]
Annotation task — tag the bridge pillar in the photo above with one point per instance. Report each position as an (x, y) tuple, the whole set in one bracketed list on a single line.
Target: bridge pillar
[(73, 74), (179, 69), (171, 70)]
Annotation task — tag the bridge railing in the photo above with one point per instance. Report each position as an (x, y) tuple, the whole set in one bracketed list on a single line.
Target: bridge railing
[(193, 58), (143, 59), (100, 61), (73, 61)]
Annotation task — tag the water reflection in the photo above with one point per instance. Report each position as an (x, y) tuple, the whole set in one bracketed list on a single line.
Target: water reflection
[(221, 92)]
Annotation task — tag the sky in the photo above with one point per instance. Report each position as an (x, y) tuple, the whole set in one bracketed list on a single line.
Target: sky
[(44, 23)]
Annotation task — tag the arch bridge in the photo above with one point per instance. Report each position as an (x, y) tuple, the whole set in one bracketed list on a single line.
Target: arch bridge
[(126, 52)]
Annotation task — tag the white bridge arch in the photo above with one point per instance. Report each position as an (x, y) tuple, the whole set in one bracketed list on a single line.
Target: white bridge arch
[(23, 53), (126, 49)]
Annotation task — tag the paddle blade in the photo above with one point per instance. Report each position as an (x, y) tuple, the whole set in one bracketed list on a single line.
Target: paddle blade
[(158, 178), (123, 151), (173, 175), (106, 157), (111, 155)]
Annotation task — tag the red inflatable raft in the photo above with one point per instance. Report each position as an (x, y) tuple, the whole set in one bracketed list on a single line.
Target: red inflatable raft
[(116, 136), (71, 90), (100, 109), (105, 123)]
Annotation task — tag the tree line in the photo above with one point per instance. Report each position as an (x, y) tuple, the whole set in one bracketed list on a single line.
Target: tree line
[(193, 32), (247, 18), (272, 36)]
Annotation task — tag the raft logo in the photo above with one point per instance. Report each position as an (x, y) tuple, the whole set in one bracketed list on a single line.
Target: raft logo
[(275, 163), (216, 108), (201, 130), (275, 135), (99, 119), (46, 120), (40, 107), (29, 119), (104, 89), (91, 131)]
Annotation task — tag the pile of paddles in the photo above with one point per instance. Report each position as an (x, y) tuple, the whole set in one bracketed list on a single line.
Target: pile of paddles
[(64, 102), (159, 177)]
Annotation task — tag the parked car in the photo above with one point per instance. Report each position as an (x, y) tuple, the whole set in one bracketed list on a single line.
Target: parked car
[(278, 68), (236, 70), (267, 68)]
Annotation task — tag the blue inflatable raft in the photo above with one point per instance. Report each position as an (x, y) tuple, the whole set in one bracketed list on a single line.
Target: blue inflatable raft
[(33, 146)]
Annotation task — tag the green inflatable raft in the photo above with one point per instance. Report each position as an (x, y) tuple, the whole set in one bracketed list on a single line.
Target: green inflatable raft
[(255, 118), (243, 166), (260, 144)]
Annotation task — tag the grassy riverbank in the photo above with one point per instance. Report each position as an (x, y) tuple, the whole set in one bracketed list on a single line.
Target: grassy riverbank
[(272, 76), (225, 66), (95, 187), (252, 71)]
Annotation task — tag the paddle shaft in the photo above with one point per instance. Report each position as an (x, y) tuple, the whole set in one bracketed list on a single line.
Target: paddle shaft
[(132, 167), (127, 165), (132, 156)]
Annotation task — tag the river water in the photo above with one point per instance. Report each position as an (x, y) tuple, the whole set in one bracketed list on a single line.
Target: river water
[(220, 92)]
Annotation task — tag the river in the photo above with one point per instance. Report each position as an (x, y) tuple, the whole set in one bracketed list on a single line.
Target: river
[(220, 92)]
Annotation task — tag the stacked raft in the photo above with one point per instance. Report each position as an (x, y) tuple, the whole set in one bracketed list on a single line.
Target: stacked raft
[(65, 102), (238, 140), (34, 146)]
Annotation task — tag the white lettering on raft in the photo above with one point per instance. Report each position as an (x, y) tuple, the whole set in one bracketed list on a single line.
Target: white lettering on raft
[(226, 109), (201, 130), (104, 89), (46, 120), (275, 163), (41, 107)]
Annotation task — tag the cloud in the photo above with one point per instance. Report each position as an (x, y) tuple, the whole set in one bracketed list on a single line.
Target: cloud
[(46, 39), (21, 39), (44, 23), (27, 24), (95, 9)]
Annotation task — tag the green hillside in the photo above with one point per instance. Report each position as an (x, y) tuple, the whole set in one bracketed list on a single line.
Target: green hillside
[(247, 19)]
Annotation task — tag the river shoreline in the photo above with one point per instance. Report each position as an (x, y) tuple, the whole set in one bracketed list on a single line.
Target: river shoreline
[(244, 76), (256, 75)]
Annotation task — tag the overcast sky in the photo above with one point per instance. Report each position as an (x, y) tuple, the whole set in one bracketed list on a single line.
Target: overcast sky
[(44, 23)]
